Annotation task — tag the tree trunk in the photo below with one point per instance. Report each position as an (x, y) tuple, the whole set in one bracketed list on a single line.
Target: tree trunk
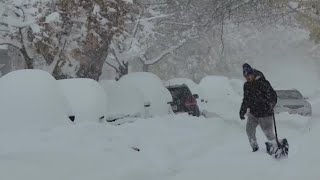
[(145, 68), (92, 66), (91, 69), (28, 60)]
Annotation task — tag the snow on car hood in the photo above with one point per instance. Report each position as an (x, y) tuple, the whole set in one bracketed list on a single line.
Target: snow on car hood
[(282, 102)]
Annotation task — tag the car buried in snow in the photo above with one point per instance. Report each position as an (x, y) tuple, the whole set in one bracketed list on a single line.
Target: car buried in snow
[(293, 102), (183, 100)]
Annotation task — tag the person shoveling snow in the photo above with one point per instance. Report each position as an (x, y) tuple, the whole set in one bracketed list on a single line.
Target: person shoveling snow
[(260, 98)]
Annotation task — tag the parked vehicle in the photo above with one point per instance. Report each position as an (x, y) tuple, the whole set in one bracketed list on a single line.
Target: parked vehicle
[(183, 100), (293, 102), (157, 98), (122, 101), (86, 97)]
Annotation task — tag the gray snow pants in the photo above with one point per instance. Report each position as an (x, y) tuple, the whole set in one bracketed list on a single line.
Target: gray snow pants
[(266, 124)]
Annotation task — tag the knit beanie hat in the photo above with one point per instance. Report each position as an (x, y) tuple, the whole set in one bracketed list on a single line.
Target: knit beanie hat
[(247, 69)]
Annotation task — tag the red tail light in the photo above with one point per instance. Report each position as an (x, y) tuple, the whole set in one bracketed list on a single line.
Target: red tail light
[(191, 101)]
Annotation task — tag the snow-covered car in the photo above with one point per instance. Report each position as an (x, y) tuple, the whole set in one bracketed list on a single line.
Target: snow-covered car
[(157, 98), (184, 100), (32, 99), (194, 88), (293, 102), (86, 97), (223, 93), (122, 101)]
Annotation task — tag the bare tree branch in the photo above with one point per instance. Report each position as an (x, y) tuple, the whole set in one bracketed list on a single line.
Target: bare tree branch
[(117, 70), (161, 55), (315, 18), (24, 16), (135, 29), (115, 56)]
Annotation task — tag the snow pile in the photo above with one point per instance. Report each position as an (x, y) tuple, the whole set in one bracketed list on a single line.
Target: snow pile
[(31, 99), (86, 97), (122, 100), (153, 90)]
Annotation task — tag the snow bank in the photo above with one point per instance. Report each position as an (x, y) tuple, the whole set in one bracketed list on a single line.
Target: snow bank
[(153, 90), (31, 99), (87, 98), (122, 100)]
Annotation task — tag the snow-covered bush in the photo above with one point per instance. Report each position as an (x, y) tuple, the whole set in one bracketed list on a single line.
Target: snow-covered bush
[(86, 97), (32, 99)]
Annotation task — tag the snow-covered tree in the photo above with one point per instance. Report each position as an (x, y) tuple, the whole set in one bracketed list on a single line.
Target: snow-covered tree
[(139, 37), (68, 38)]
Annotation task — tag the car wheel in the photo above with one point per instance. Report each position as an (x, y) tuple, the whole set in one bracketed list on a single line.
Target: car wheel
[(196, 112)]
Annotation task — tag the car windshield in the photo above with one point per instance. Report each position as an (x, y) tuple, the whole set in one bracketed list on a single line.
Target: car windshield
[(180, 92), (289, 94)]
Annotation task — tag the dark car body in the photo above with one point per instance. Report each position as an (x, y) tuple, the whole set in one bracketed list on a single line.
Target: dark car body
[(183, 100)]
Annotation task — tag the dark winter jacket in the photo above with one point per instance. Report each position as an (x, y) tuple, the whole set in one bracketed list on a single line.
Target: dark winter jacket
[(259, 97), (258, 73)]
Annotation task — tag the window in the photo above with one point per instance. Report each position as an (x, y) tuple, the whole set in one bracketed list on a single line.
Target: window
[(289, 94)]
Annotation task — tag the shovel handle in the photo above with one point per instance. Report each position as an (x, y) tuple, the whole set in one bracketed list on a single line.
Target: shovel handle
[(275, 129)]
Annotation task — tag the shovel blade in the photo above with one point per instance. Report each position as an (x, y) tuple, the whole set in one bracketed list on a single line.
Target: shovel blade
[(278, 151)]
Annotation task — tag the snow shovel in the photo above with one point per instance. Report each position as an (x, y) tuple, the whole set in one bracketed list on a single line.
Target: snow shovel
[(280, 149)]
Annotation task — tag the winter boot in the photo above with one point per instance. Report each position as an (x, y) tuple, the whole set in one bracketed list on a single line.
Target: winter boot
[(255, 148)]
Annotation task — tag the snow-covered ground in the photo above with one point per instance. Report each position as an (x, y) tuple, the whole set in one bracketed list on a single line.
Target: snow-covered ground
[(170, 147)]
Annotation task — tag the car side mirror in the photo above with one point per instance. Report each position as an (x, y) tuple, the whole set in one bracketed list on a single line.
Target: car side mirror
[(72, 118), (169, 103), (196, 96), (305, 98)]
